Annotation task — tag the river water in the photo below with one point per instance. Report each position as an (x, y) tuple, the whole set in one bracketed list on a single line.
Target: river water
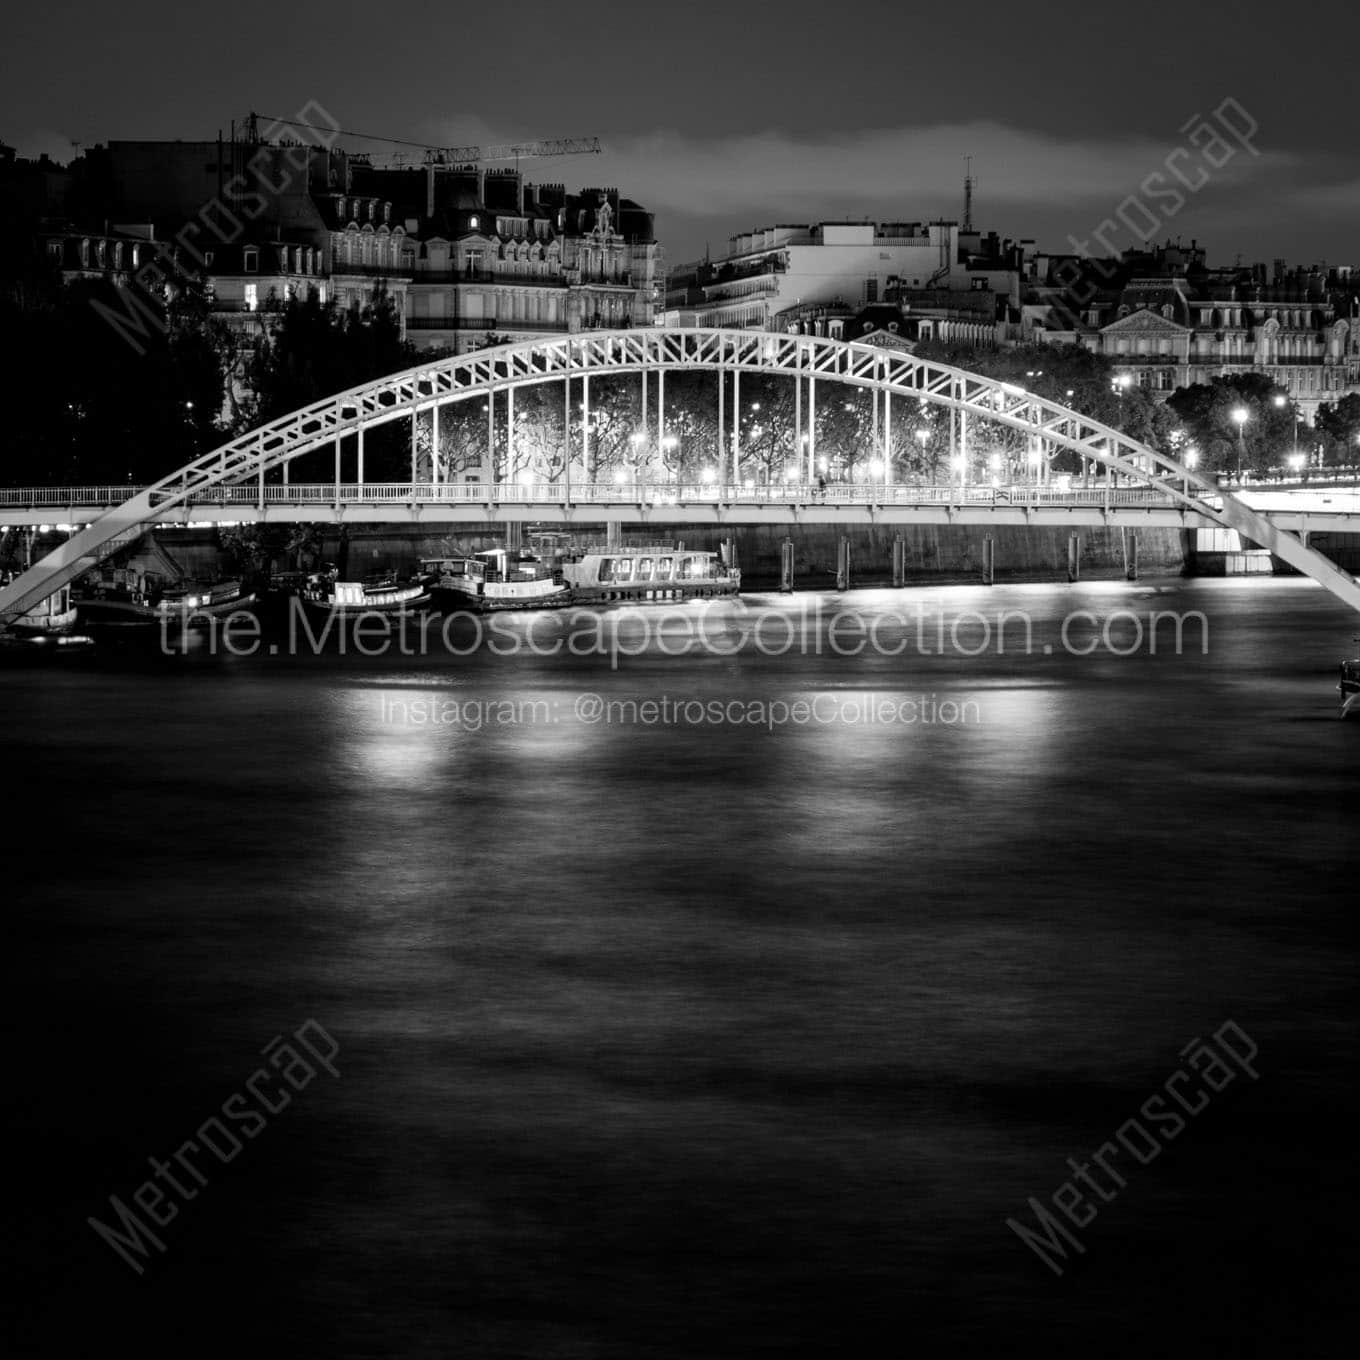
[(725, 1027)]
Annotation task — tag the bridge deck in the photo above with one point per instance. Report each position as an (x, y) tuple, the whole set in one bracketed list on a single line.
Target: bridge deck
[(1334, 509)]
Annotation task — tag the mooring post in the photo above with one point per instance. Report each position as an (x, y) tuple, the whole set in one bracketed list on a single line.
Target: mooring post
[(843, 563), (1130, 539), (1073, 557), (899, 562), (786, 567), (988, 561)]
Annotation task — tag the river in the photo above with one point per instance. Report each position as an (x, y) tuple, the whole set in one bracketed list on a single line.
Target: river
[(737, 1024)]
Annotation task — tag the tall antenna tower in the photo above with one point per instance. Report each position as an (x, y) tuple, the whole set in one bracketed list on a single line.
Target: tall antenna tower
[(968, 193)]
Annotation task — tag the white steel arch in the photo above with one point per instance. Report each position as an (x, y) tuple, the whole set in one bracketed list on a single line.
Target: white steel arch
[(406, 394)]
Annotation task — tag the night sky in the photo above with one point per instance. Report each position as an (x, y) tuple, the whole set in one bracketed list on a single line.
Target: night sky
[(724, 116)]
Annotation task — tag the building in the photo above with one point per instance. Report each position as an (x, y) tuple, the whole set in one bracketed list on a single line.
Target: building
[(1168, 320), (768, 275), (483, 256)]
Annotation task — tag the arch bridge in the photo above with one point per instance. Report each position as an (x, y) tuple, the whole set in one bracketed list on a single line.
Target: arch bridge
[(235, 472)]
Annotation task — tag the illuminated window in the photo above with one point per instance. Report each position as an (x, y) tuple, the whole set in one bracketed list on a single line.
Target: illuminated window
[(472, 222), (252, 296)]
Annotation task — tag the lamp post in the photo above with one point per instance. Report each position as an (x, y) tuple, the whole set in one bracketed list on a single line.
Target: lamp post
[(1240, 415), (1281, 401), (636, 440), (1191, 463), (923, 438)]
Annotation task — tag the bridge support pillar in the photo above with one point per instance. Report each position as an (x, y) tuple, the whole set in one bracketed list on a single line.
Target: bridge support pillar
[(514, 534), (1131, 554), (988, 561), (613, 533), (729, 552), (786, 567), (1074, 557), (899, 562), (843, 563)]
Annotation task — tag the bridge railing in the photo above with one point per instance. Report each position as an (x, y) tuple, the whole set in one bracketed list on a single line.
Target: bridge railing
[(598, 493)]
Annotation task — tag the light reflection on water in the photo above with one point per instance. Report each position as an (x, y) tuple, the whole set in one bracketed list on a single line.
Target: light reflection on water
[(685, 1039)]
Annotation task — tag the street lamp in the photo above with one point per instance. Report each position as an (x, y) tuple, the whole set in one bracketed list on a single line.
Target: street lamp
[(1281, 401), (636, 439), (1240, 415)]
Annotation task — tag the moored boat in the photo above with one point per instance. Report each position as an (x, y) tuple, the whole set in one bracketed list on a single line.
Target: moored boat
[(1350, 687), (646, 573), (500, 578), (124, 598), (52, 618), (323, 593)]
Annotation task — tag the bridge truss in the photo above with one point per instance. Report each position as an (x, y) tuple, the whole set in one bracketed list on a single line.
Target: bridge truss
[(809, 360)]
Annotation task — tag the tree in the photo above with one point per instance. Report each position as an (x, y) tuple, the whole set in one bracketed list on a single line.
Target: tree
[(316, 349), (1205, 410), (1338, 423), (97, 409)]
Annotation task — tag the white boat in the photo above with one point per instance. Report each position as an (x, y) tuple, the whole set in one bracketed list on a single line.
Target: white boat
[(323, 593), (50, 618), (500, 578), (646, 573)]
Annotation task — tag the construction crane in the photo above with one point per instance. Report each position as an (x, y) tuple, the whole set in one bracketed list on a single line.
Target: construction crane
[(438, 155)]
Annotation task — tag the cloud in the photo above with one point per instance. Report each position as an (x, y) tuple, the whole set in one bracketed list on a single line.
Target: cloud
[(44, 141), (919, 168)]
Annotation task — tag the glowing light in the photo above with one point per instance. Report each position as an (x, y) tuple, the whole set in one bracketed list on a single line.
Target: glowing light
[(620, 477), (1241, 415), (526, 478), (708, 476)]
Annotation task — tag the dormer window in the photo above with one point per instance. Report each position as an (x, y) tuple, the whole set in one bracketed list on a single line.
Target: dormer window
[(472, 222), (85, 254), (54, 250), (208, 258), (251, 260)]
